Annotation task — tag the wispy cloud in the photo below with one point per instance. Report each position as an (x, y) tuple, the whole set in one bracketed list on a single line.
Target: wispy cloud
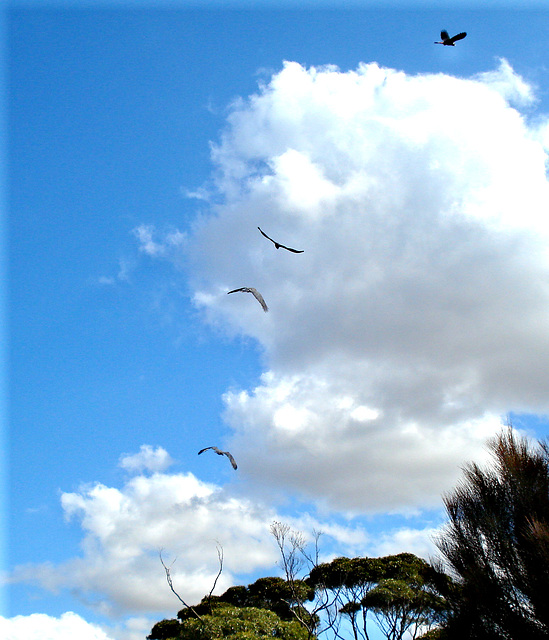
[(125, 268), (157, 244)]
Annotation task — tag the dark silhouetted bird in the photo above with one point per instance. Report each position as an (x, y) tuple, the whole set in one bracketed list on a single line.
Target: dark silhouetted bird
[(255, 293), (220, 453), (449, 42), (277, 244)]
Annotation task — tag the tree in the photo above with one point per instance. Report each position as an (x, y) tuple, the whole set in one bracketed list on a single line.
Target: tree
[(240, 623), (272, 593), (400, 592), (267, 608), (497, 544), (296, 558), (406, 599), (219, 619), (188, 608), (165, 630)]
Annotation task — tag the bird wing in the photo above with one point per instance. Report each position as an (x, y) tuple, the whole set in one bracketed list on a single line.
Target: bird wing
[(277, 244), (459, 36), (221, 453), (255, 293), (205, 449), (444, 35), (233, 461), (266, 236), (290, 249), (259, 298)]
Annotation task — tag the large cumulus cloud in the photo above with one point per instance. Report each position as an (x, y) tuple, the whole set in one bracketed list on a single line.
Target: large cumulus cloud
[(416, 317)]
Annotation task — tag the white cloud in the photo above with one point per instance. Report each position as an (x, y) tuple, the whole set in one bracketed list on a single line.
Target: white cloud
[(420, 542), (309, 441), (131, 628), (39, 626), (416, 317), (71, 626), (148, 459), (509, 84), (119, 570), (126, 529)]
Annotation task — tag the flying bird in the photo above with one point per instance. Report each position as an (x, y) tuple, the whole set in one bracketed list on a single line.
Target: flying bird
[(255, 293), (277, 244), (449, 42), (220, 453)]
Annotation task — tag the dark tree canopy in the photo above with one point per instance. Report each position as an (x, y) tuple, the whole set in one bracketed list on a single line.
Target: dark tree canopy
[(497, 544), (165, 630), (272, 593)]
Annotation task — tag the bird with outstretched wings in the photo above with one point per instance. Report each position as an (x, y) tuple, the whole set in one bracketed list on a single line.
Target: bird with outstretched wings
[(449, 42), (277, 244), (256, 295), (220, 453)]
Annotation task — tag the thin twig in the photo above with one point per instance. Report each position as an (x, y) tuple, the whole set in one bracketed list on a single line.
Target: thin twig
[(170, 583), (220, 558)]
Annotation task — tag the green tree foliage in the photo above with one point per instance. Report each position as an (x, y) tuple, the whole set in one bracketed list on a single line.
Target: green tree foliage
[(227, 621), (273, 594), (268, 608), (497, 544), (401, 593), (241, 623)]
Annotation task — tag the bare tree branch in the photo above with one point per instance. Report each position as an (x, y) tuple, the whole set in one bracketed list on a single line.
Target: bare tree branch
[(170, 583), (219, 549), (295, 557)]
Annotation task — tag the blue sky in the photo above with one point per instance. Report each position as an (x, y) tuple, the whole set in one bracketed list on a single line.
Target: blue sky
[(138, 171)]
